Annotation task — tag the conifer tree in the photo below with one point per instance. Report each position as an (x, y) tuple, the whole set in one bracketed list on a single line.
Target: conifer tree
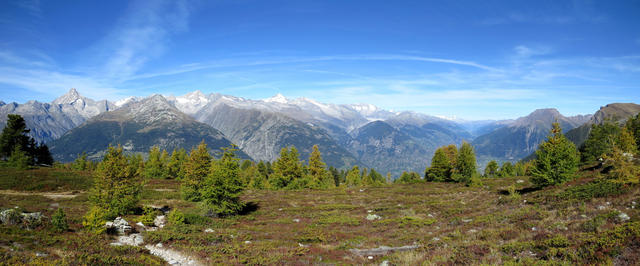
[(81, 162), (519, 169), (440, 169), (19, 159), (556, 160), (376, 177), (491, 170), (465, 163), (196, 168), (222, 186), (117, 185), (335, 174), (320, 177), (354, 178), (409, 178), (626, 141), (633, 125), (14, 134), (154, 167), (600, 141), (506, 170), (287, 168), (176, 161)]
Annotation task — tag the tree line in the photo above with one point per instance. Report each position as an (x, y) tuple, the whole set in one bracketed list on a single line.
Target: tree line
[(18, 149)]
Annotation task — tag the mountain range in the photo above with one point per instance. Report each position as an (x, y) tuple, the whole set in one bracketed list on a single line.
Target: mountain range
[(347, 134)]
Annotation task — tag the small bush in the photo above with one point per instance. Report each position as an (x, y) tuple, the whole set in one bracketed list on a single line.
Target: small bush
[(59, 221), (149, 216), (94, 220), (176, 218)]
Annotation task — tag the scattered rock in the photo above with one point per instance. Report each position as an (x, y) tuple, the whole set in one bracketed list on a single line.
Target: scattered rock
[(602, 207), (247, 242), (32, 219), (370, 257), (10, 217), (369, 211), (382, 250), (296, 220), (430, 215), (160, 221), (623, 217), (467, 220), (303, 245), (121, 226), (372, 217), (519, 181), (41, 254), (280, 209), (435, 239), (131, 240), (473, 231), (385, 263), (208, 230), (534, 229)]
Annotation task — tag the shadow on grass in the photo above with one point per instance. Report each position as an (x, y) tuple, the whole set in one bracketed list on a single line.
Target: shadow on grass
[(249, 207), (520, 191)]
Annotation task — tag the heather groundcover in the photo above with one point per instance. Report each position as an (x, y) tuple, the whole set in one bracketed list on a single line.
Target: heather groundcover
[(505, 221)]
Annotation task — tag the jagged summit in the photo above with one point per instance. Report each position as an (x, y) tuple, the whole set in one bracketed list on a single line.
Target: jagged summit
[(68, 98)]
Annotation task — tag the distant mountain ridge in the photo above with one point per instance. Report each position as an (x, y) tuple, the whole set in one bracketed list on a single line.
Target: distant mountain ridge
[(138, 126), (348, 134)]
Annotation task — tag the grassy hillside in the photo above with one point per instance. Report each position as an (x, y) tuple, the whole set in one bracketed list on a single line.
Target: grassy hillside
[(577, 223)]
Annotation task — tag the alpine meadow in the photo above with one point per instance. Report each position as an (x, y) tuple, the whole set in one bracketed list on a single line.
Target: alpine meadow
[(157, 132)]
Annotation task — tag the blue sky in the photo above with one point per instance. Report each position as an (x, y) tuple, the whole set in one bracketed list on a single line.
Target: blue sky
[(468, 59)]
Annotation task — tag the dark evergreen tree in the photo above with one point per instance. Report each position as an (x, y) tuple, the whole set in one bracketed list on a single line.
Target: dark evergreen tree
[(465, 164), (14, 134), (600, 141)]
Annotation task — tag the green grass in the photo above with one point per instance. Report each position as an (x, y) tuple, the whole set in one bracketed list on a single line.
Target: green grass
[(44, 179), (453, 224)]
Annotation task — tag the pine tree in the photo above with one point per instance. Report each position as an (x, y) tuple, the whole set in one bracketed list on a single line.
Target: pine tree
[(320, 177), (196, 168), (117, 185), (354, 178), (42, 155), (491, 170), (440, 169), (520, 169), (14, 134), (222, 187), (81, 162), (19, 159), (335, 174), (557, 160), (154, 166), (377, 178), (465, 163)]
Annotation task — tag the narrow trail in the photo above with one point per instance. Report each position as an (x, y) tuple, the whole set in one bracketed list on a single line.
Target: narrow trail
[(51, 195), (172, 257)]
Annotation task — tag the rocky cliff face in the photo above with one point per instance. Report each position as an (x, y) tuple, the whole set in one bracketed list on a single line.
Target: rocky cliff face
[(138, 126), (385, 148)]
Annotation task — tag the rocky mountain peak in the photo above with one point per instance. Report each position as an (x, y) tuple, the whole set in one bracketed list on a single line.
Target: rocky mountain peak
[(69, 98), (616, 112), (539, 116)]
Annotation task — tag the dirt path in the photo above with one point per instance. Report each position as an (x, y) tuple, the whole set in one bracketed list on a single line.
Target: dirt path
[(51, 195)]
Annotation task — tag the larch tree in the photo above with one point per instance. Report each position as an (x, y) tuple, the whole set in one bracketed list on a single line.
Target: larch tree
[(491, 170), (320, 177), (556, 160), (117, 184), (223, 186), (465, 164), (196, 168)]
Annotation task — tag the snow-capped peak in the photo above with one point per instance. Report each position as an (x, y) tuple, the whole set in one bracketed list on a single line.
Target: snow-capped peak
[(278, 98), (127, 100)]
